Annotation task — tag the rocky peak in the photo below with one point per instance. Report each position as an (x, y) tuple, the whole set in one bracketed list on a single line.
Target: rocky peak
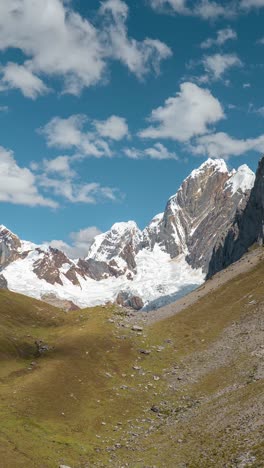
[(10, 246), (118, 246), (247, 226)]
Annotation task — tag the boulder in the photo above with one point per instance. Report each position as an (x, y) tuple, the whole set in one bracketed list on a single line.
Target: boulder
[(125, 299)]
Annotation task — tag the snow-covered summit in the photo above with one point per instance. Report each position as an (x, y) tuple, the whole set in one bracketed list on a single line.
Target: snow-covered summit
[(243, 180), (215, 164)]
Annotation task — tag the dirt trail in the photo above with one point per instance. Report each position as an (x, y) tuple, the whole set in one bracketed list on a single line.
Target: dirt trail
[(244, 265)]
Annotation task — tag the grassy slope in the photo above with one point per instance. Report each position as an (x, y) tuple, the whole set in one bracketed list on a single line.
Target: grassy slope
[(83, 399)]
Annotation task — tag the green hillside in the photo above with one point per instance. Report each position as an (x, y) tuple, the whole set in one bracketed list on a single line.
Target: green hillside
[(185, 392)]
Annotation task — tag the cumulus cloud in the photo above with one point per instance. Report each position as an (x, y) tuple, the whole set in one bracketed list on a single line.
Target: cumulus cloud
[(157, 151), (222, 36), (216, 65), (185, 115), (58, 42), (252, 3), (260, 111), (139, 57), (179, 6), (18, 185), (221, 145), (114, 127), (60, 165), (69, 133), (19, 77), (75, 192), (80, 242), (207, 9)]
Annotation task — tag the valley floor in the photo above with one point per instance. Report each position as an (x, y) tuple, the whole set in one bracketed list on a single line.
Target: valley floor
[(185, 391)]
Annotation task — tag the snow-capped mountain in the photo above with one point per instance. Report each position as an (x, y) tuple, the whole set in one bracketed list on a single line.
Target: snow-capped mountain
[(169, 257)]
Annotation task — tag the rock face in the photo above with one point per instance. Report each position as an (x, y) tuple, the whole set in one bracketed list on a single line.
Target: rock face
[(246, 229), (209, 222), (201, 211), (53, 300), (118, 248), (126, 300), (3, 282), (10, 247)]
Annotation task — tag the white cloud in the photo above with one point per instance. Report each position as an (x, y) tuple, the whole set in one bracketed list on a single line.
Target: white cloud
[(81, 242), (216, 65), (260, 111), (222, 36), (158, 151), (57, 42), (252, 3), (69, 133), (15, 76), (59, 165), (185, 115), (74, 192), (140, 57), (221, 145), (114, 127), (19, 185), (179, 6), (207, 9)]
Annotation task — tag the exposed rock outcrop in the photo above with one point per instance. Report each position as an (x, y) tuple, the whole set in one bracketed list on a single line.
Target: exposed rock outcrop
[(126, 299), (246, 229), (10, 247), (201, 212), (118, 247), (3, 282), (53, 300)]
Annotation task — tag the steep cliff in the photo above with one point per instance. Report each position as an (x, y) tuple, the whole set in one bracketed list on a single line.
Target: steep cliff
[(246, 229)]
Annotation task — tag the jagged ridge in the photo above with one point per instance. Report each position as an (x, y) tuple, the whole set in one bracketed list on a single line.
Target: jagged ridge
[(171, 254)]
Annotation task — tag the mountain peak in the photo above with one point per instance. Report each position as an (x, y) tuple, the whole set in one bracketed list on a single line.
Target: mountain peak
[(243, 179), (218, 165)]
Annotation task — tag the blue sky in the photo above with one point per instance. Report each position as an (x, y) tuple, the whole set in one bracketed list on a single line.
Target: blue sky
[(105, 106)]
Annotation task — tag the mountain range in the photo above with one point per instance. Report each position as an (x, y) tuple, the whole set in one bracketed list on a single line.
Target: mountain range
[(210, 222)]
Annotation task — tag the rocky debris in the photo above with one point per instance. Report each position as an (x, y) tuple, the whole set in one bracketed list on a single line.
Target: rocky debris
[(137, 328), (125, 299), (145, 351), (3, 282), (55, 301), (155, 409), (42, 348)]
